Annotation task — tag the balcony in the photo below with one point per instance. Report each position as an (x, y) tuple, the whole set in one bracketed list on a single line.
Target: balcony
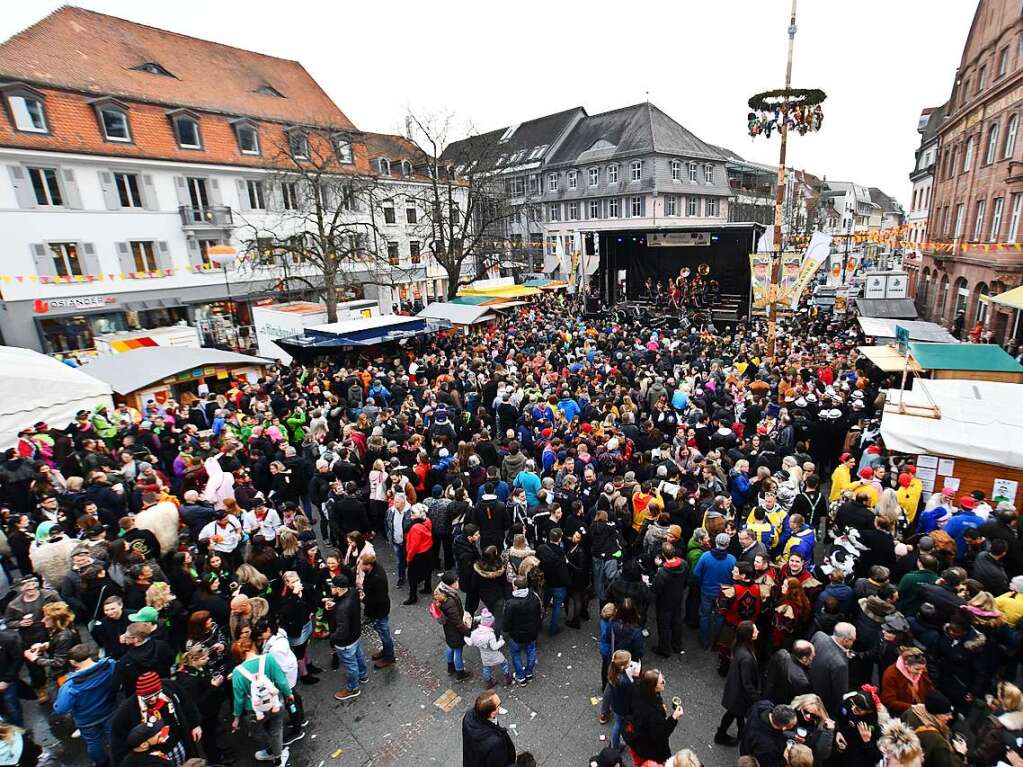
[(212, 217)]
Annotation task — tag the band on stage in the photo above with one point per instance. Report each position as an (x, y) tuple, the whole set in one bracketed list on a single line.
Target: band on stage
[(688, 291)]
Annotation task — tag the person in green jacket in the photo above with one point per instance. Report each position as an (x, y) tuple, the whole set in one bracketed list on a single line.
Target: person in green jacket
[(266, 725), (296, 425), (698, 543), (910, 597), (103, 425)]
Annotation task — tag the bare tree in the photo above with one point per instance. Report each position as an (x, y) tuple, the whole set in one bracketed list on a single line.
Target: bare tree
[(466, 206), (320, 210)]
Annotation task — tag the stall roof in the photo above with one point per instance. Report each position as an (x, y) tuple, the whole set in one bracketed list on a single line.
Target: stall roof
[(1013, 298), (980, 421), (505, 291), (978, 357), (345, 327), (878, 327), (34, 387), (137, 368), (369, 331), (889, 308), (458, 314), (888, 359), (471, 300)]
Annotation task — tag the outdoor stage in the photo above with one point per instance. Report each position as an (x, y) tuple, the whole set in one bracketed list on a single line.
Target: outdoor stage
[(629, 257)]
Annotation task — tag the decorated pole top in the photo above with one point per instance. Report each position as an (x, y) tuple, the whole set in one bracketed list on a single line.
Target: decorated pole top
[(798, 109)]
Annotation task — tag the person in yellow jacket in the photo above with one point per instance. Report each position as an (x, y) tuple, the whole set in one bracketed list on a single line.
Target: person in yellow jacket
[(1010, 604), (867, 484), (909, 492), (841, 477)]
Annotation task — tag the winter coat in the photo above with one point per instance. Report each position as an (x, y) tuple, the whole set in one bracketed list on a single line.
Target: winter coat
[(897, 692), (938, 752), (128, 714), (553, 564), (829, 672), (484, 638), (465, 553), (742, 685), (522, 617), (375, 600), (786, 678), (653, 725), (512, 465), (669, 584), (347, 619), (491, 583), (493, 519), (760, 739), (991, 573), (713, 570), (450, 604), (89, 695), (485, 743), (419, 539)]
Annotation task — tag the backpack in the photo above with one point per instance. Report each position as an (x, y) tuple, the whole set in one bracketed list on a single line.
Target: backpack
[(263, 694)]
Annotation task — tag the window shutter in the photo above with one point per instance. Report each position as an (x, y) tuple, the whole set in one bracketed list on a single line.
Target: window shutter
[(194, 254), (72, 197), (22, 188), (124, 258), (110, 197), (90, 261), (243, 195), (642, 205), (43, 259), (163, 255), (215, 199), (149, 199), (181, 188)]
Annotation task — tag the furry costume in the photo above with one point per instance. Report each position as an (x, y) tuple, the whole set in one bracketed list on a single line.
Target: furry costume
[(162, 520), (51, 560)]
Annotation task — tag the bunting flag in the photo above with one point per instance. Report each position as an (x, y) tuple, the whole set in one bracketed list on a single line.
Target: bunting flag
[(57, 279)]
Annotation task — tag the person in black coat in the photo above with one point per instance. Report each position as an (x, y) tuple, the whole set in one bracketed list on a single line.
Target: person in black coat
[(764, 734), (467, 553), (485, 743), (555, 575), (376, 607), (742, 685), (178, 711), (650, 725), (669, 590)]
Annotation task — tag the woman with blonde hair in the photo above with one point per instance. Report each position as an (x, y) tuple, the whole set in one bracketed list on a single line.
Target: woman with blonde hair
[(620, 687), (171, 622), (684, 758), (889, 508), (899, 745), (813, 719), (251, 581), (17, 749), (51, 655), (377, 495)]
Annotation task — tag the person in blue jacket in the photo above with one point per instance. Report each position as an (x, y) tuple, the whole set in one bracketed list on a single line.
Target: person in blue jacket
[(713, 570), (90, 697), (962, 521), (568, 406)]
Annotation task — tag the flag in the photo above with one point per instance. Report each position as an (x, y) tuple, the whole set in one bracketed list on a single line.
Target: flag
[(816, 254)]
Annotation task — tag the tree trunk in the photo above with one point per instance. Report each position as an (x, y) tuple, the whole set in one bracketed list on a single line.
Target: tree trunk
[(330, 294), (454, 273)]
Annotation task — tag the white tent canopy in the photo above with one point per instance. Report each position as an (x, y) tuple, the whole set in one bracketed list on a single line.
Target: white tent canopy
[(881, 328), (980, 421), (34, 387), (458, 314)]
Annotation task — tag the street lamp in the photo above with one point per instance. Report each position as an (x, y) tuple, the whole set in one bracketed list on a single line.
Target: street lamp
[(223, 256)]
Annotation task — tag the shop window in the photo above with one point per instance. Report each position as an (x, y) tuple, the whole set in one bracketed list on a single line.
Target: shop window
[(413, 249), (76, 332)]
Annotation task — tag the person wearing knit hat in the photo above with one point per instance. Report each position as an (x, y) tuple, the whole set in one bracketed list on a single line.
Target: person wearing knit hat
[(486, 641), (931, 720), (162, 703)]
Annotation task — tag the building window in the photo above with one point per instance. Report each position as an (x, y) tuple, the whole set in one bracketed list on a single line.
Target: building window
[(594, 208), (692, 206), (289, 193), (144, 255), (968, 155), (517, 187), (392, 253), (414, 251), (298, 144), (708, 174), (254, 189), (992, 143), (248, 139), (573, 212), (712, 207), (28, 113), (128, 190), (978, 221), (411, 213), (554, 212), (66, 262), (1017, 209), (573, 179), (343, 149), (1010, 137), (594, 176), (46, 186), (614, 208), (389, 217), (982, 79), (636, 206), (115, 124), (676, 170), (552, 182), (534, 184), (671, 205), (692, 172), (636, 170), (186, 130), (996, 219), (1003, 62), (612, 174)]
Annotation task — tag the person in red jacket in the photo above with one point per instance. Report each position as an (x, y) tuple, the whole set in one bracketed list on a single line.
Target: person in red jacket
[(418, 553)]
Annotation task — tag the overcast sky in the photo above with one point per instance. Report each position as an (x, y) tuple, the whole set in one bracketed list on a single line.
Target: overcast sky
[(880, 62)]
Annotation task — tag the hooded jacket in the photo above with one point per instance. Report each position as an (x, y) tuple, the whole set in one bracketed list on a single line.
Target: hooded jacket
[(522, 617), (669, 584), (419, 539), (714, 569), (89, 695), (485, 743)]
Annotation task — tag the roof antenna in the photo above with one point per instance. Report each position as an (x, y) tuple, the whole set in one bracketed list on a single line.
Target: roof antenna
[(648, 97)]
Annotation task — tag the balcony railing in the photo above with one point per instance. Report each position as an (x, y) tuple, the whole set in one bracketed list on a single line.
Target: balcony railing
[(211, 216)]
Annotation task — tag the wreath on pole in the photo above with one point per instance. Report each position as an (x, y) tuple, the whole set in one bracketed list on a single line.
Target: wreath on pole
[(798, 109)]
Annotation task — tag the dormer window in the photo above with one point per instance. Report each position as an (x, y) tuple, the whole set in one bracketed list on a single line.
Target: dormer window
[(26, 108), (343, 148), (113, 120), (248, 136), (269, 90), (298, 143), (406, 168), (384, 166), (152, 68), (186, 129)]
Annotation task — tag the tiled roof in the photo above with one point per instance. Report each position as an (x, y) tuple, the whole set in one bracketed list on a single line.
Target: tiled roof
[(394, 148), (527, 136), (90, 52)]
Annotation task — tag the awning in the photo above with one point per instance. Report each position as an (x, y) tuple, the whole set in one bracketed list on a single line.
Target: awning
[(888, 359), (1011, 298), (135, 369), (508, 304), (337, 337), (457, 314), (889, 308), (506, 291), (986, 358), (881, 328), (470, 300)]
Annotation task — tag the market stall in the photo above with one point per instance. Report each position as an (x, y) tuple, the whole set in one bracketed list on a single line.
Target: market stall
[(158, 373), (460, 316), (971, 442), (338, 338), (976, 362), (881, 329), (35, 387)]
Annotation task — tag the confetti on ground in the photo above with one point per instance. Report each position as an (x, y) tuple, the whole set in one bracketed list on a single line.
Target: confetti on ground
[(397, 631), (532, 715), (594, 700), (337, 753)]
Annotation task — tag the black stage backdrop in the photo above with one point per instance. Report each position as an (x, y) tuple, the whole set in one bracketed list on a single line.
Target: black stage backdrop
[(727, 256)]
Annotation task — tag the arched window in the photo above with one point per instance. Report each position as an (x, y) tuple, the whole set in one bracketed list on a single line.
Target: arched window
[(979, 307), (939, 310), (1010, 137), (923, 290), (962, 296)]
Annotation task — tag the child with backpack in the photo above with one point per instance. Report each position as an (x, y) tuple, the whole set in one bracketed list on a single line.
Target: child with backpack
[(606, 646), (260, 688), (484, 638)]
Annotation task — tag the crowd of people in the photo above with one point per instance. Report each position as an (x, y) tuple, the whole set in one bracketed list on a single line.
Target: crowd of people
[(171, 567)]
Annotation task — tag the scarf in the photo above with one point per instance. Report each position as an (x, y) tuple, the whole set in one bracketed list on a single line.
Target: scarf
[(928, 720), (912, 676)]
